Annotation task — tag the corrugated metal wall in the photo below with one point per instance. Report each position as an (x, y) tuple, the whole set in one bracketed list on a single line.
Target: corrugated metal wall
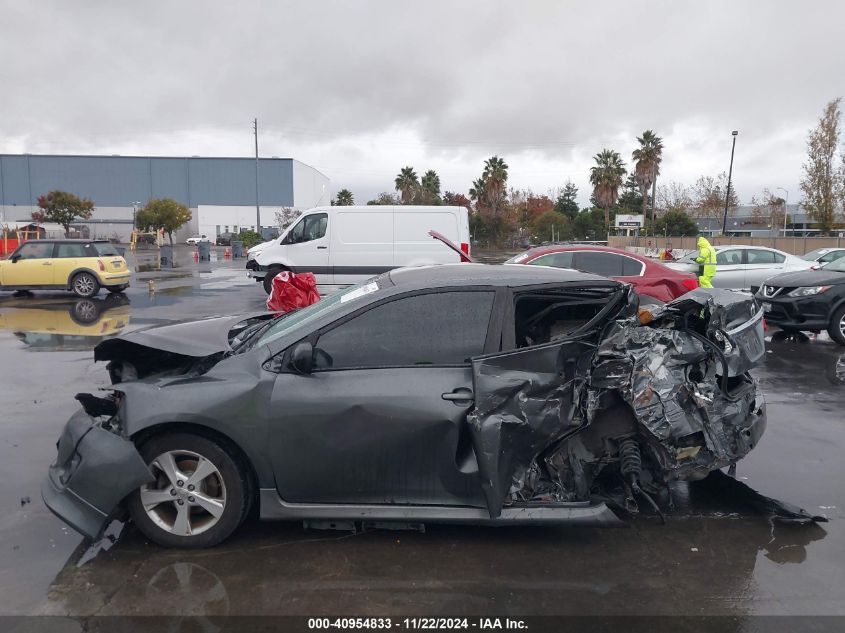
[(118, 181)]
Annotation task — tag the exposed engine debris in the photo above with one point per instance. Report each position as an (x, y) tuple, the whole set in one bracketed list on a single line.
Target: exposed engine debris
[(623, 407)]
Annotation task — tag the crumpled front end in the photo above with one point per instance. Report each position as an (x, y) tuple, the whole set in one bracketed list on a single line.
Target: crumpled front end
[(93, 472), (622, 408)]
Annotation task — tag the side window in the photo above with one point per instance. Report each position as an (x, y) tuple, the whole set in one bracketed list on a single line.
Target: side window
[(558, 260), (444, 328), (296, 233), (36, 250), (729, 257), (631, 267), (757, 256), (315, 226), (829, 257), (598, 263), (544, 317), (779, 259), (72, 250)]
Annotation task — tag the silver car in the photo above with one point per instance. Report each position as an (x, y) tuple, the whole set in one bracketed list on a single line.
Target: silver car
[(822, 256), (745, 267)]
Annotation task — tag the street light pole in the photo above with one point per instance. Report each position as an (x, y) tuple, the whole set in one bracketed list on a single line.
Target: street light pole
[(728, 192), (785, 209), (134, 212), (257, 209)]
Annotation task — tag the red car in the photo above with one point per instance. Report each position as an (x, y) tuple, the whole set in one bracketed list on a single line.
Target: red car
[(648, 277)]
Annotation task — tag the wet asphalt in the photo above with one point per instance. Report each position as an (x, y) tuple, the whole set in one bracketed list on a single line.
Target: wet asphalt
[(712, 558)]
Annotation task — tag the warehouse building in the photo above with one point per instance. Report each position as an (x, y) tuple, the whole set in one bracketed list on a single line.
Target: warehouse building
[(220, 192)]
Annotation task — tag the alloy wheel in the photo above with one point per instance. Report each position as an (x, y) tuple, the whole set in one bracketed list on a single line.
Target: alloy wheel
[(83, 285), (188, 495)]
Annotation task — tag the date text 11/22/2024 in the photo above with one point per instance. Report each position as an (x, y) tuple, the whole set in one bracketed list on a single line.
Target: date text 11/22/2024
[(424, 624)]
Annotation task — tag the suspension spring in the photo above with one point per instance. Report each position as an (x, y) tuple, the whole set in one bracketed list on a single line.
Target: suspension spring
[(630, 460)]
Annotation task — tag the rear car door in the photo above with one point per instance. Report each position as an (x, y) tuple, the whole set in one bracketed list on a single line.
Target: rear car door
[(307, 246), (730, 269), (31, 265), (760, 265), (382, 418)]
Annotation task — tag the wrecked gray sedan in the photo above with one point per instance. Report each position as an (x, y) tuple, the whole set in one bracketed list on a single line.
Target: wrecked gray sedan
[(465, 394)]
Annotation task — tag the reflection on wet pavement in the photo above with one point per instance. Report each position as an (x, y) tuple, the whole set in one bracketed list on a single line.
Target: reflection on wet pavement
[(64, 324)]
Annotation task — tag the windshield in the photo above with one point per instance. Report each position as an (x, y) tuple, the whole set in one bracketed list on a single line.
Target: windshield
[(837, 266), (310, 313), (814, 255)]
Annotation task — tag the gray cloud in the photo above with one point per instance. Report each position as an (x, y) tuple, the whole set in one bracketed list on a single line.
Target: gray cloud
[(361, 88)]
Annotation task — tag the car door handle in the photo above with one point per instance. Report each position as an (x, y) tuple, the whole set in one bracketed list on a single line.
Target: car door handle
[(458, 395), (322, 248)]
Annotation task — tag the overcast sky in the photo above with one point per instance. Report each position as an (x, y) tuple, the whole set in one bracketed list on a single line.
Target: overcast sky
[(360, 89)]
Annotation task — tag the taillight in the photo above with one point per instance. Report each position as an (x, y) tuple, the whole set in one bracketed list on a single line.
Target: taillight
[(101, 265), (465, 251), (690, 284)]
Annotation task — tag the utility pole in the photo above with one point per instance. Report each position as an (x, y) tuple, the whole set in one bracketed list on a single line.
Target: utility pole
[(257, 208), (785, 209), (728, 192)]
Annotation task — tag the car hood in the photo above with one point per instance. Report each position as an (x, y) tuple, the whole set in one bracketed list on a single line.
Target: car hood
[(196, 339), (806, 278)]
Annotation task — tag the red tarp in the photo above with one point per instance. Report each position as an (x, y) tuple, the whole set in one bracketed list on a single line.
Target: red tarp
[(292, 291)]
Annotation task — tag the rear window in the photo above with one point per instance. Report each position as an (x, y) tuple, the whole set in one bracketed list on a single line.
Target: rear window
[(607, 264), (759, 256), (105, 249)]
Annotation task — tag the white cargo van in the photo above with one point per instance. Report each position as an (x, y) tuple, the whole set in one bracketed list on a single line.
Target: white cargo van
[(345, 245)]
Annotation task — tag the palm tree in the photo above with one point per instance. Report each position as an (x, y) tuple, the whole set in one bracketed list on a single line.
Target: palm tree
[(344, 198), (407, 184), (606, 177), (430, 186), (477, 191), (647, 158), (495, 176)]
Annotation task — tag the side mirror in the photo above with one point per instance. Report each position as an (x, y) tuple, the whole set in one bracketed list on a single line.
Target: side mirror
[(15, 258), (302, 358)]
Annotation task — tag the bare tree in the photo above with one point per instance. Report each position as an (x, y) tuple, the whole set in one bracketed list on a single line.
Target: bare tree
[(823, 180), (768, 209), (674, 196), (708, 196), (285, 216)]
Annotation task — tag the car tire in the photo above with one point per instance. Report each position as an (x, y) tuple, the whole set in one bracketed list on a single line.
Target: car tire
[(117, 289), (268, 278), (85, 312), (837, 325), (189, 524), (85, 285)]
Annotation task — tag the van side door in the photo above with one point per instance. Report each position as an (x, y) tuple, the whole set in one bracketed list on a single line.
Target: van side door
[(362, 243)]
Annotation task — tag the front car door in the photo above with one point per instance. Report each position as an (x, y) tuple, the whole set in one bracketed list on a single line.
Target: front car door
[(307, 246), (32, 265), (730, 269), (394, 385)]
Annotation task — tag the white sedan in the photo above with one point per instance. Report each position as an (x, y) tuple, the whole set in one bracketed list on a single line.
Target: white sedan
[(196, 239), (822, 256), (745, 267)]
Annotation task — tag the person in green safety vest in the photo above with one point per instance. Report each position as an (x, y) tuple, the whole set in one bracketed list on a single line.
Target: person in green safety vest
[(707, 263)]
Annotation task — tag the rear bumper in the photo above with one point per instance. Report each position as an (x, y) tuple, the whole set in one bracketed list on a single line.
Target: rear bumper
[(115, 279), (93, 472)]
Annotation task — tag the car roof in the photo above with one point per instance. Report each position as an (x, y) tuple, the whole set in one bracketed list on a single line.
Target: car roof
[(559, 248), (487, 275), (68, 240)]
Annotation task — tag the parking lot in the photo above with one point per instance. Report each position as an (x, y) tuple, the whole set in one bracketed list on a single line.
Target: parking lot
[(712, 558)]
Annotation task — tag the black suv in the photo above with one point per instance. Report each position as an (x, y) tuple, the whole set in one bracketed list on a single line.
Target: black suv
[(811, 300)]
